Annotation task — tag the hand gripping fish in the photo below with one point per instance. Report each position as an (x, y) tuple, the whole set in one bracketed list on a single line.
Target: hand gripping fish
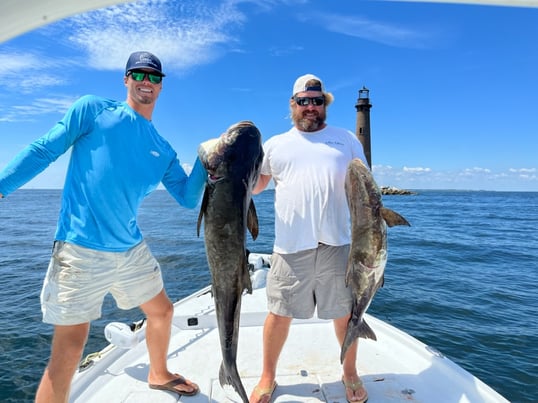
[(368, 250), (233, 163)]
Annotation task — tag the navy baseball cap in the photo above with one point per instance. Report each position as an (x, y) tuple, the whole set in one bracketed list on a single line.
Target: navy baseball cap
[(144, 60)]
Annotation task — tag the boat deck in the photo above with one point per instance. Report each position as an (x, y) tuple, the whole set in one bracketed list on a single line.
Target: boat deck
[(395, 368)]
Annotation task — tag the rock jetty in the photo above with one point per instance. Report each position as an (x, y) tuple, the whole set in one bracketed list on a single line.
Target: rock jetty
[(391, 190)]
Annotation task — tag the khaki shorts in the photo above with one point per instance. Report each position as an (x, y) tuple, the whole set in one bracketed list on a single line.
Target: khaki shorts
[(298, 282), (78, 279)]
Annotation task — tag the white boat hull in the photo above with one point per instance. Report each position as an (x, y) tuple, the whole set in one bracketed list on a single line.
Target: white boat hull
[(395, 368)]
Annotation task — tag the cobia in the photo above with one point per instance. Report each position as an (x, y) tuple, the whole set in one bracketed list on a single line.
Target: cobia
[(233, 163), (368, 249)]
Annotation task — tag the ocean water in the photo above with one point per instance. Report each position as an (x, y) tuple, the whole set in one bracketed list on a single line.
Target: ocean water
[(463, 279)]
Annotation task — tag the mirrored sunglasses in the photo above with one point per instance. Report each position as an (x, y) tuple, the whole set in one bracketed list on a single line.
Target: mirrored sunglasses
[(141, 75)]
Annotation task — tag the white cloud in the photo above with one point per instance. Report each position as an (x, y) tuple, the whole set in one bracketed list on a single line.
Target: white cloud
[(39, 106), (28, 72), (476, 170), (182, 33), (523, 170), (187, 167), (372, 30), (13, 63), (474, 178), (416, 170)]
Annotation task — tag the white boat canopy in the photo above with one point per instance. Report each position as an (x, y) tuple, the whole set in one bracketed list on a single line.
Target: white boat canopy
[(20, 16)]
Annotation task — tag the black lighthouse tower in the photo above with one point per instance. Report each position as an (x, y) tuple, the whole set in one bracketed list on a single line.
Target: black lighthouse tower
[(363, 123)]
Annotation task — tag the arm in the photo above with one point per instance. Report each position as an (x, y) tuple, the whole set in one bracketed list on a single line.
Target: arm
[(187, 190), (32, 160), (38, 155), (262, 183)]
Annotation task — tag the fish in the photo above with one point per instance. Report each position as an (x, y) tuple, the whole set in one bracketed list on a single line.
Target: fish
[(368, 249), (233, 163)]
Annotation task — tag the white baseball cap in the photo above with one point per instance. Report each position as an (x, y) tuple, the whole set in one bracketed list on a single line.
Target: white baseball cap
[(301, 84)]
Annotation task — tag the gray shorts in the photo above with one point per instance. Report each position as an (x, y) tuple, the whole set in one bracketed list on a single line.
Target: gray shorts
[(78, 279), (298, 282)]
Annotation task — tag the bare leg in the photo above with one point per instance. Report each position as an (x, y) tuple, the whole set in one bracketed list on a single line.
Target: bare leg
[(350, 362), (67, 347), (159, 311), (275, 333)]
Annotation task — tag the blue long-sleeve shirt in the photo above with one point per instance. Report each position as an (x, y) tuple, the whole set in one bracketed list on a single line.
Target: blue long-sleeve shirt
[(117, 159)]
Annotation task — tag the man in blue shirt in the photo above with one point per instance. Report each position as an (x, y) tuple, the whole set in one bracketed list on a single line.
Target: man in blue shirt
[(117, 158)]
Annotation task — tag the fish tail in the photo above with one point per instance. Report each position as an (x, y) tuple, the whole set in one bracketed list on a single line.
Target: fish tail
[(366, 332), (353, 332), (231, 377)]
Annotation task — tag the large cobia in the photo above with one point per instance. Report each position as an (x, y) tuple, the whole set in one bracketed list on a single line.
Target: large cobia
[(233, 163), (368, 250)]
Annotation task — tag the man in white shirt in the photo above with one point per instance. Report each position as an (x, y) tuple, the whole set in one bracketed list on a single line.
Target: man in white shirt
[(308, 164)]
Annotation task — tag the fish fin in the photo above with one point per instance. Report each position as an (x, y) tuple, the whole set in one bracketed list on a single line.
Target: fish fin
[(392, 218), (233, 380), (252, 220), (353, 332), (203, 207), (366, 332), (223, 377)]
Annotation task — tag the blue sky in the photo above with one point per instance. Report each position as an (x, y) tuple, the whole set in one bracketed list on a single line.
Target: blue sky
[(454, 87)]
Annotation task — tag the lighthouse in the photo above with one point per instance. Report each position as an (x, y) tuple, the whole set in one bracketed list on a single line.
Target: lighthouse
[(363, 122)]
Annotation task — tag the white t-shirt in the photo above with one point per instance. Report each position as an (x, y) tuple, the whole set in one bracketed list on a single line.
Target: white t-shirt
[(309, 171)]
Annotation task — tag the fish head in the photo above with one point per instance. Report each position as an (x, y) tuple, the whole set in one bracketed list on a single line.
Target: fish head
[(236, 155), (361, 187)]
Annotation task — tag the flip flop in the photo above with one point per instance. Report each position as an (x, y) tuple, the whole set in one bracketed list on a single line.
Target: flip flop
[(171, 386), (264, 395), (355, 386)]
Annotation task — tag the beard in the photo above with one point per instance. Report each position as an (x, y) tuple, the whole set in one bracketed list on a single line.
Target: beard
[(308, 124)]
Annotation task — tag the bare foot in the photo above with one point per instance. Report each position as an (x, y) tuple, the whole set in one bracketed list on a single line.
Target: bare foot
[(355, 391), (262, 395), (178, 385)]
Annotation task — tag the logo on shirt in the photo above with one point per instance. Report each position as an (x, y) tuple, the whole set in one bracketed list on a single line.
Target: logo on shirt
[(155, 153), (333, 143)]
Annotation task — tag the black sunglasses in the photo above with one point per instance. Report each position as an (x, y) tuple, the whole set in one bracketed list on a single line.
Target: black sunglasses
[(304, 101), (141, 75)]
